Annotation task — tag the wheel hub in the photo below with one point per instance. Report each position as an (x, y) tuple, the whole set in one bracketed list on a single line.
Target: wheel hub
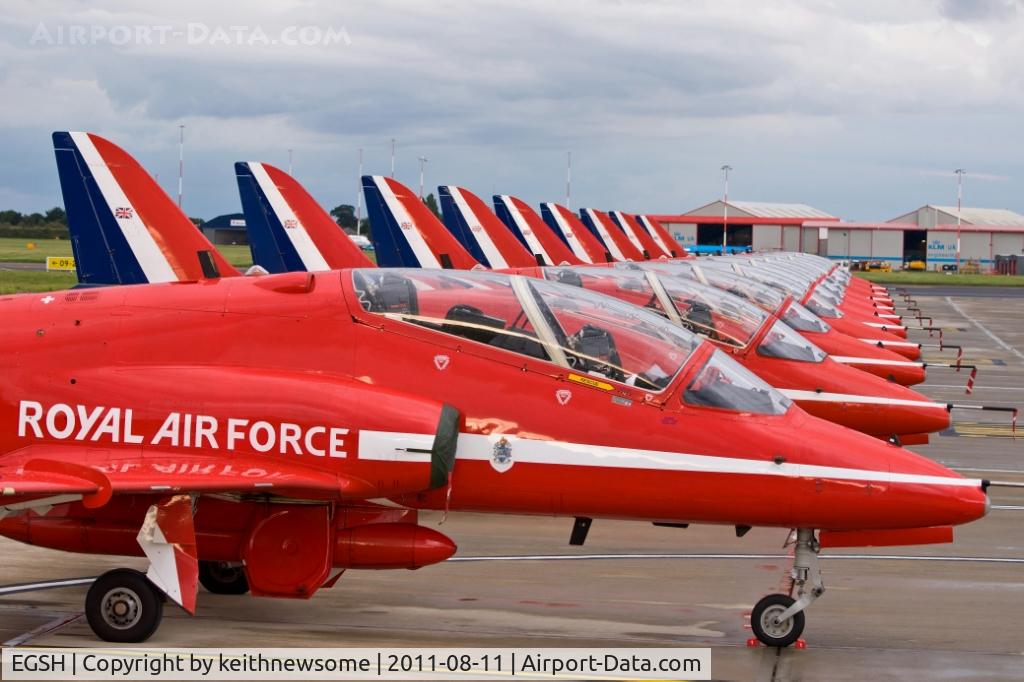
[(771, 624), (121, 608)]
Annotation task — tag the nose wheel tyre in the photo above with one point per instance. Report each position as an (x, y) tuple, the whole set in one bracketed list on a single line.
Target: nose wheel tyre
[(768, 629), (220, 577), (123, 606)]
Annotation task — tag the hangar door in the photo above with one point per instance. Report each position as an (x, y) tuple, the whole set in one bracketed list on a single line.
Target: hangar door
[(1007, 244), (888, 244), (767, 238), (791, 238), (915, 245), (809, 244), (838, 243), (860, 244)]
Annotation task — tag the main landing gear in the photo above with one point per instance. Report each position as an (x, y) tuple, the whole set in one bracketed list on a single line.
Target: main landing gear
[(222, 577), (124, 606), (778, 619)]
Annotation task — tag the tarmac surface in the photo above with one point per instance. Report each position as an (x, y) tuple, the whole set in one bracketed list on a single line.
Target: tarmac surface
[(944, 612), (22, 266)]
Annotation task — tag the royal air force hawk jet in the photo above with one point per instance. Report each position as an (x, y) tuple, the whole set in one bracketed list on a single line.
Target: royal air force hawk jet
[(407, 234), (228, 422)]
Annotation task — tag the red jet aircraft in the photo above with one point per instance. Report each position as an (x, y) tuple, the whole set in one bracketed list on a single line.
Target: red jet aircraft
[(267, 425), (263, 441)]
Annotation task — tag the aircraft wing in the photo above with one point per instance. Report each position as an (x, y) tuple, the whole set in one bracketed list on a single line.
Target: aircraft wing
[(52, 471)]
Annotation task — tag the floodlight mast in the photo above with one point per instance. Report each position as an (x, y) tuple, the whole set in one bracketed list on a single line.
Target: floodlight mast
[(960, 172), (725, 210), (423, 163), (359, 195)]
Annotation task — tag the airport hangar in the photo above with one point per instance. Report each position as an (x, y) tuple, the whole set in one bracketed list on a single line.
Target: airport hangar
[(927, 234)]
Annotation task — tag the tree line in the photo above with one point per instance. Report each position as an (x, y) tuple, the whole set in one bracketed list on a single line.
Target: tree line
[(54, 222), (345, 216), (49, 225)]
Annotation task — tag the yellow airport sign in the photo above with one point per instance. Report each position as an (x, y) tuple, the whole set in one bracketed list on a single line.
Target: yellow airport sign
[(60, 263)]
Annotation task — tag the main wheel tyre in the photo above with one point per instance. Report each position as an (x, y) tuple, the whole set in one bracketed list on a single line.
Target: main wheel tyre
[(220, 577), (123, 606), (770, 633)]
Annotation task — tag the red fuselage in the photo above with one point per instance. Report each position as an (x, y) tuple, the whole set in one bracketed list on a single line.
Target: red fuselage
[(279, 350)]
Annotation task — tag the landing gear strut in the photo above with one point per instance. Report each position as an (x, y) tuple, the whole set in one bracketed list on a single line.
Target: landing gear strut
[(778, 619), (124, 606)]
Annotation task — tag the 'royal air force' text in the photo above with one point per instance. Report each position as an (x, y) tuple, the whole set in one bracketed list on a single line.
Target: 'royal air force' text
[(83, 423)]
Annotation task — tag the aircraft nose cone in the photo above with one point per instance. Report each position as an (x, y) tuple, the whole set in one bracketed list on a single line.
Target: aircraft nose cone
[(934, 495), (869, 484)]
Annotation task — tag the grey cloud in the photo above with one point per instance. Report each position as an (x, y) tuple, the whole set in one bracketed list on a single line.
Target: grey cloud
[(833, 105), (979, 10)]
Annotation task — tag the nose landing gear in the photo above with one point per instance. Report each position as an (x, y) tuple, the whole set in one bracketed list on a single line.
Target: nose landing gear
[(778, 619)]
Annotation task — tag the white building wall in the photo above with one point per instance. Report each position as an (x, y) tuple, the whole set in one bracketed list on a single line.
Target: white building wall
[(941, 248), (684, 233), (975, 246)]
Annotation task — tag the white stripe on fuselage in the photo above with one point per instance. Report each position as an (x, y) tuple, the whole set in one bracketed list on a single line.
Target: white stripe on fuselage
[(570, 236), (814, 396), (524, 229), (478, 231), (411, 234), (393, 446), (312, 259), (846, 360), (152, 260), (609, 243)]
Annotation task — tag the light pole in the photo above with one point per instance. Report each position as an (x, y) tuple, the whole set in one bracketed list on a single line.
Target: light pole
[(290, 161), (181, 161), (392, 158), (423, 163), (959, 201), (568, 179), (359, 195), (725, 210)]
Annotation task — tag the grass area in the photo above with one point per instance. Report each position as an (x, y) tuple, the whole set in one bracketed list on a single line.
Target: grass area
[(18, 281), (239, 256), (16, 249), (929, 277)]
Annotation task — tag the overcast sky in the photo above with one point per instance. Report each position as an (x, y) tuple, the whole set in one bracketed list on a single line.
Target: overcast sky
[(860, 108)]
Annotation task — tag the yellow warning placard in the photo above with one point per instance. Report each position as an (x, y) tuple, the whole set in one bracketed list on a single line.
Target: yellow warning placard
[(60, 263), (593, 383)]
